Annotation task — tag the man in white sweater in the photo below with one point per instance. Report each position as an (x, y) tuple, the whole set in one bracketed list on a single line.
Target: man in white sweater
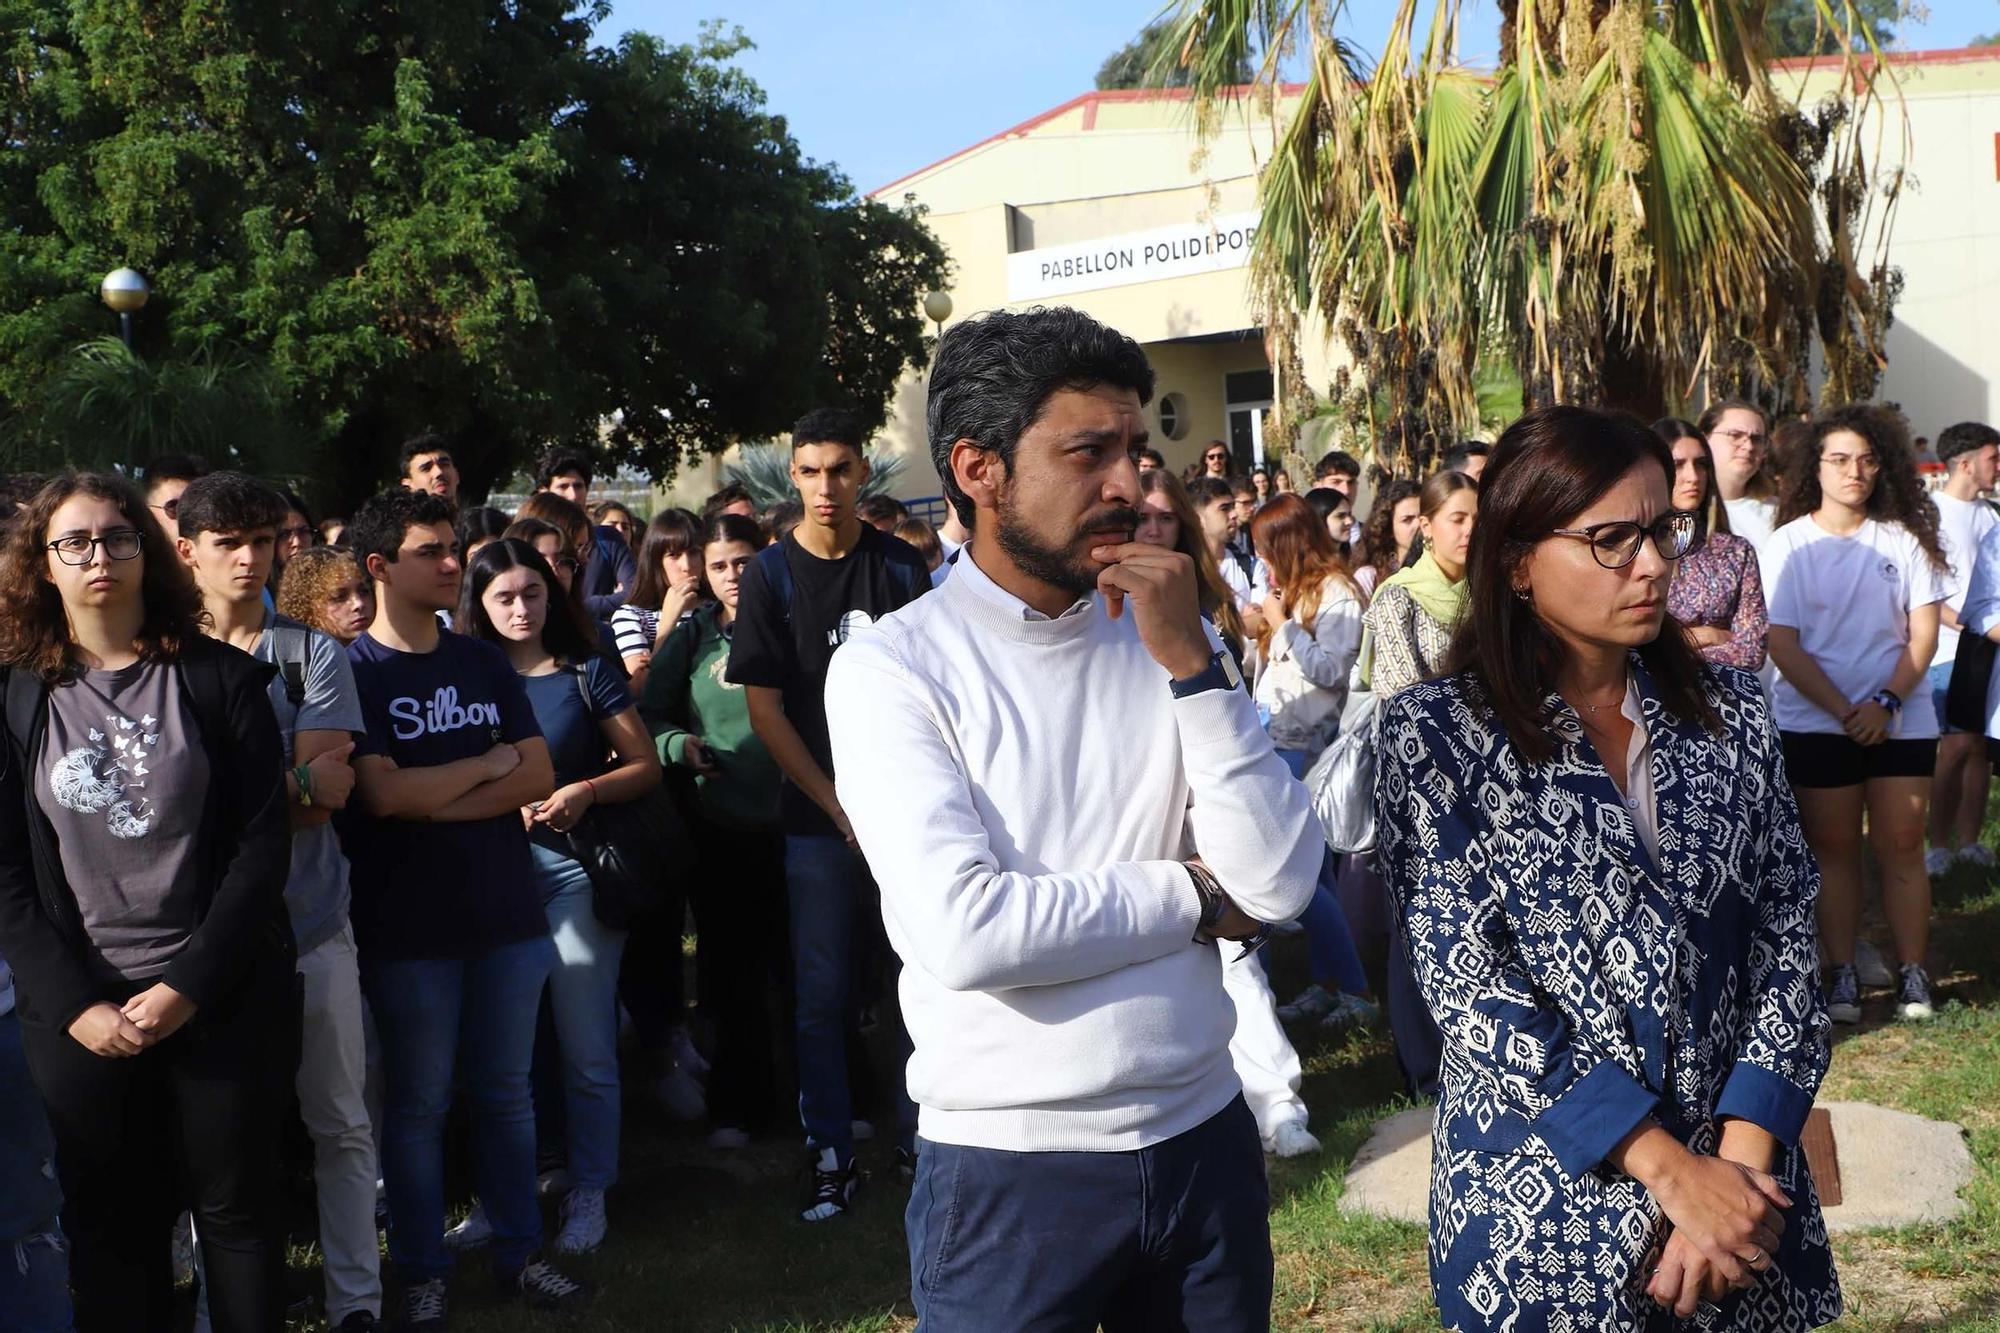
[(1031, 758)]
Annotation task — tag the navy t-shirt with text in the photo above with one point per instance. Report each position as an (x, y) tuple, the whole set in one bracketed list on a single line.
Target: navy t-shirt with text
[(426, 889)]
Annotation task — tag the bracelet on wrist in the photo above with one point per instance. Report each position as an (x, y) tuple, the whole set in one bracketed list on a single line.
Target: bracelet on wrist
[(303, 776)]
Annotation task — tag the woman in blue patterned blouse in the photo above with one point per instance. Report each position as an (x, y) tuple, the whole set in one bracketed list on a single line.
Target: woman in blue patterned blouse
[(1608, 906)]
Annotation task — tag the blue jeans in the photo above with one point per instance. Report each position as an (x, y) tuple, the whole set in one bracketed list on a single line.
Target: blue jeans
[(1174, 1236), (475, 1015), (833, 905), (1939, 679), (1329, 943), (34, 1273), (583, 992)]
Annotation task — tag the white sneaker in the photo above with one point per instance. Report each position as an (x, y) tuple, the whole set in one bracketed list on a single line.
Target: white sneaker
[(1291, 1139), (680, 1096), (1936, 861), (473, 1232), (681, 1043), (1315, 1001), (1976, 854), (1869, 969), (582, 1222), (1913, 999)]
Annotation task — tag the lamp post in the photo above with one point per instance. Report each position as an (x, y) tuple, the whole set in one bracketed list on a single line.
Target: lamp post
[(125, 291), (937, 308)]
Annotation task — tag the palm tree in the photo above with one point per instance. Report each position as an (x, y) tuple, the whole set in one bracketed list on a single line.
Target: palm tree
[(1623, 209)]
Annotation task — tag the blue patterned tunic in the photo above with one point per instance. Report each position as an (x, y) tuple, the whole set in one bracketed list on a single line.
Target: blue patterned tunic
[(1580, 988)]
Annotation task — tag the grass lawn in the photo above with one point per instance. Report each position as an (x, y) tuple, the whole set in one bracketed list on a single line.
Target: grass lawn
[(704, 1241)]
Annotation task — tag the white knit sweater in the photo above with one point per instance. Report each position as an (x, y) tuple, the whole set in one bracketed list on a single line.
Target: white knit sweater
[(1025, 791)]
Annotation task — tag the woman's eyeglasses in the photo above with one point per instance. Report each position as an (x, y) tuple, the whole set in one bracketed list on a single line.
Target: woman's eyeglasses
[(1616, 545), (78, 549)]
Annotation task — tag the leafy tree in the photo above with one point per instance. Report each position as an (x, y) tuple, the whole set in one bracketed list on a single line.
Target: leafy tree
[(765, 470), (1801, 28), (1147, 61), (449, 214)]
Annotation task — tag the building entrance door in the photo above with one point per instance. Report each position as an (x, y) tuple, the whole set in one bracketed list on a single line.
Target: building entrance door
[(1247, 395)]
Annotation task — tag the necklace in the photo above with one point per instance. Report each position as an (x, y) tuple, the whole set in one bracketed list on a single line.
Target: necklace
[(1590, 711)]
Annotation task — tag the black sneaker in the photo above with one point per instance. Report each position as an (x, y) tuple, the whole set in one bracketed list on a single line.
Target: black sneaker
[(359, 1321), (424, 1305), (1843, 995), (906, 1167), (543, 1288), (834, 1186), (1913, 999)]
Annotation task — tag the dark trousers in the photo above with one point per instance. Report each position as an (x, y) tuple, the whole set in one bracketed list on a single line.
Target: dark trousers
[(191, 1123), (1171, 1237), (744, 953), (835, 911)]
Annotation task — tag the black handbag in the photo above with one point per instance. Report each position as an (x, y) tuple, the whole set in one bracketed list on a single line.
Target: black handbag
[(629, 849), (1971, 669)]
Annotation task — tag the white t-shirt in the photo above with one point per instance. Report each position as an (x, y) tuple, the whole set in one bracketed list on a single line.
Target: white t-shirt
[(1752, 520), (1850, 599), (1961, 525)]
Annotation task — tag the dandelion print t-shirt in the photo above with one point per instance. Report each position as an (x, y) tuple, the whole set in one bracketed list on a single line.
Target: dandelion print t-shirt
[(124, 781)]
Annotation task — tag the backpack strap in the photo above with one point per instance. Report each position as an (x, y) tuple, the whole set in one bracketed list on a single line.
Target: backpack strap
[(291, 646), (778, 574)]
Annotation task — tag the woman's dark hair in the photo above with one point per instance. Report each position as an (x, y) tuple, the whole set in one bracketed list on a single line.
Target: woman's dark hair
[(1714, 515), (1764, 484), (1378, 535), (1899, 495), (1550, 466), (566, 518), (994, 373), (1432, 499), (732, 528), (1218, 603), (532, 530), (480, 524), (34, 627), (671, 532), (1324, 500), (567, 633)]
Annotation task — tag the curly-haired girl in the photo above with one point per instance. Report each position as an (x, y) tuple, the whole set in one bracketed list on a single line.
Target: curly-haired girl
[(1854, 576)]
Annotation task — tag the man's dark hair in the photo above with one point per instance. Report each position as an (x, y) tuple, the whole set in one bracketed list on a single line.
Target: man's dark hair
[(1153, 456), (828, 425), (881, 509), (377, 527), (480, 522), (1336, 463), (993, 374), (1205, 491), (562, 463), (228, 502), (733, 493), (1963, 438), (783, 517), (430, 442), (1456, 457), (173, 467)]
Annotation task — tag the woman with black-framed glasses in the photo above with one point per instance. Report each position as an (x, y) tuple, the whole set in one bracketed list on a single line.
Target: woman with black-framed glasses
[(1717, 595), (1608, 904), (1856, 575), (144, 845)]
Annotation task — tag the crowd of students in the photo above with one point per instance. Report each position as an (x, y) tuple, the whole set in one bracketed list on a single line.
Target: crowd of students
[(337, 823)]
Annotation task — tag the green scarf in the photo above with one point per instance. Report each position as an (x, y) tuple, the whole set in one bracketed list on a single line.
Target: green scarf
[(1441, 599)]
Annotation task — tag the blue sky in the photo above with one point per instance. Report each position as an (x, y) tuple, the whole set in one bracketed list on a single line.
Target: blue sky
[(883, 87)]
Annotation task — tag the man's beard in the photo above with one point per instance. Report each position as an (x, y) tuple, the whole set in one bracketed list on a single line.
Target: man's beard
[(1058, 566)]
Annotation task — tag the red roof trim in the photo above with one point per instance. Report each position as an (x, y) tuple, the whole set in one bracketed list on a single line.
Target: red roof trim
[(1089, 101), (1955, 55)]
